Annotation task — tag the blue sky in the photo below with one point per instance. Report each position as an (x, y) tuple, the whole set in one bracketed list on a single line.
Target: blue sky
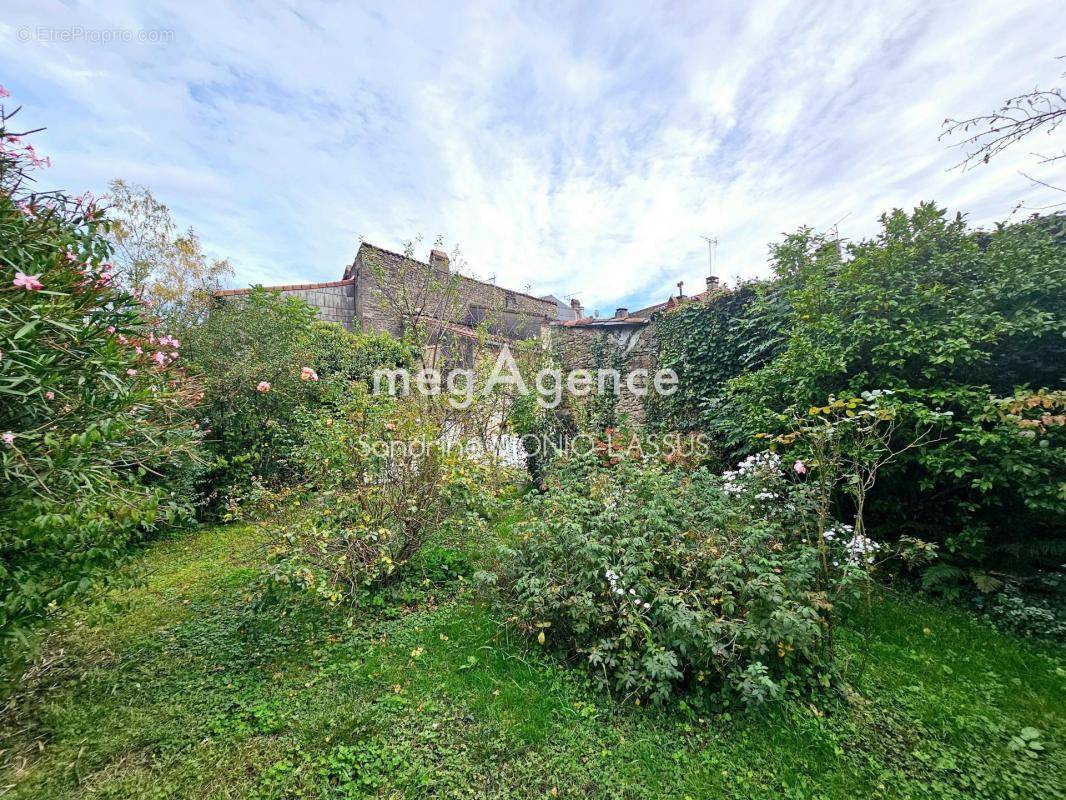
[(580, 149)]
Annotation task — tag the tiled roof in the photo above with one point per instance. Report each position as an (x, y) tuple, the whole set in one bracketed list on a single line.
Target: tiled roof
[(400, 257), (594, 322), (466, 331), (289, 287), (674, 301)]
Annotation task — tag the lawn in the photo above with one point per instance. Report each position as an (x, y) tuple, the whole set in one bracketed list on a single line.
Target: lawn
[(181, 688)]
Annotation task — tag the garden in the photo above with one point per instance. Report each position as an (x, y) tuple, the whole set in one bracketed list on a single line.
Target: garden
[(831, 565)]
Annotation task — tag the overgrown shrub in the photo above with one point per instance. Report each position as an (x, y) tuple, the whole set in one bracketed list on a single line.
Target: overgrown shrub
[(97, 432), (248, 357), (381, 483), (662, 579)]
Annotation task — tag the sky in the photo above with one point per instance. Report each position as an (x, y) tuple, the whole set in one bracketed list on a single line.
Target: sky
[(581, 149)]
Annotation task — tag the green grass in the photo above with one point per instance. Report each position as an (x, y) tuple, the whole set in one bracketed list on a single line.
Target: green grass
[(180, 688)]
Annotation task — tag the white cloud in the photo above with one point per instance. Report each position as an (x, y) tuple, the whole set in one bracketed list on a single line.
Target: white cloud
[(579, 152)]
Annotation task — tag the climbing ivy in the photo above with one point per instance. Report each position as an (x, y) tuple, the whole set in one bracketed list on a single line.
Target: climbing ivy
[(709, 342), (602, 410)]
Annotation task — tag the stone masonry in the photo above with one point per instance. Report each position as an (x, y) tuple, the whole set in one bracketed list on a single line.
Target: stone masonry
[(386, 291)]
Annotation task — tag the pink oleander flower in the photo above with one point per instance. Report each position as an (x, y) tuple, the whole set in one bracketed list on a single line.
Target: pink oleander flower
[(160, 358), (9, 438), (110, 328), (800, 467), (4, 92), (26, 209), (263, 387), (49, 395), (131, 372), (308, 374), (138, 350), (30, 283)]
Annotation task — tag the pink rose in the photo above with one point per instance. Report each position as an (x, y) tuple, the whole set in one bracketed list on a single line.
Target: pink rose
[(308, 374), (30, 283), (800, 467), (263, 387)]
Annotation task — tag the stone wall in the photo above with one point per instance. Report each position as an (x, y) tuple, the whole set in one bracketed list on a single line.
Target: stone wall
[(635, 344), (333, 301), (390, 287), (382, 290)]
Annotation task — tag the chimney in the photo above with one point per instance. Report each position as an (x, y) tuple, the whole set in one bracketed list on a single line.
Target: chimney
[(621, 313), (438, 259), (712, 282), (575, 305)]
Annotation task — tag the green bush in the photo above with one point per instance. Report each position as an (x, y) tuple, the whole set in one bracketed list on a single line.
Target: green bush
[(709, 343), (661, 579), (950, 319), (336, 352), (95, 412)]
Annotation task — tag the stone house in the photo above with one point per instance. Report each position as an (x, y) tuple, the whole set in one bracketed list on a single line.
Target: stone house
[(385, 291)]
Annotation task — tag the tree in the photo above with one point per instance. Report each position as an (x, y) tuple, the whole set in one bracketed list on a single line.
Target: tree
[(988, 135), (154, 260)]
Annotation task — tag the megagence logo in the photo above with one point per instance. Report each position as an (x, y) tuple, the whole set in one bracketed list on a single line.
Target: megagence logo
[(550, 385)]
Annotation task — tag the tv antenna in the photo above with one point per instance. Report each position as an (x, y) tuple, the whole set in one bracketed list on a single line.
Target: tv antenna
[(712, 251)]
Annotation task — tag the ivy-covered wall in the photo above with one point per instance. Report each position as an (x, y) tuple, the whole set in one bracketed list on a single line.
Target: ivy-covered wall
[(708, 342)]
